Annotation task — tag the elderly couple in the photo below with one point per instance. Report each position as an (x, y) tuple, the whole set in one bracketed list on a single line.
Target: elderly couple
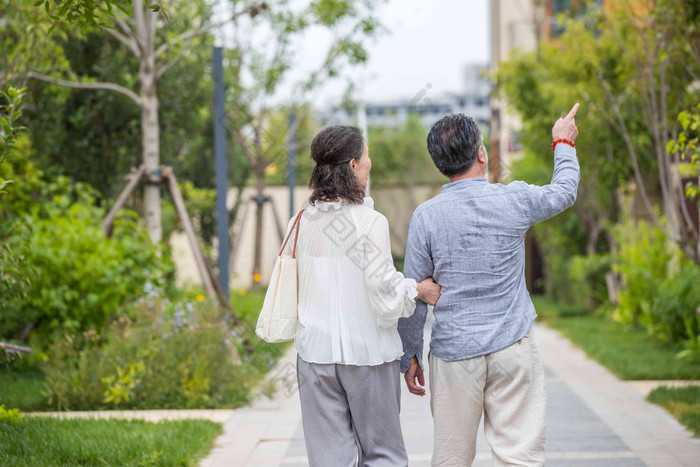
[(361, 322)]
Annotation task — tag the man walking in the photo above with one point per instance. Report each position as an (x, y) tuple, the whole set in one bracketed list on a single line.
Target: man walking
[(470, 240)]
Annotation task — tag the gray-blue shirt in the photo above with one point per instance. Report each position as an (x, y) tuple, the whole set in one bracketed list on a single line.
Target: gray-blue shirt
[(471, 240)]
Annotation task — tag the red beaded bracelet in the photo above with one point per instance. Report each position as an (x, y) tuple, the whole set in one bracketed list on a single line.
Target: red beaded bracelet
[(562, 140)]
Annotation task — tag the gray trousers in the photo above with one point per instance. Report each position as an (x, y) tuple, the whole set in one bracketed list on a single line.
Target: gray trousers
[(350, 414)]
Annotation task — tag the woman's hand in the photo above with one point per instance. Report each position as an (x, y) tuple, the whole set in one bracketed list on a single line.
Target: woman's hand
[(428, 291)]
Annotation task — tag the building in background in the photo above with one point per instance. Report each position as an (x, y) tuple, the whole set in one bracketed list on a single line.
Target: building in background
[(517, 24), (514, 24), (430, 105)]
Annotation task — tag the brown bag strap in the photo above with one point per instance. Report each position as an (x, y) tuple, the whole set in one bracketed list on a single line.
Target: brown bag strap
[(296, 236)]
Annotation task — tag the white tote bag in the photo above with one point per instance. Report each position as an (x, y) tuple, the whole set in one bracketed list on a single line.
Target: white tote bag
[(279, 316)]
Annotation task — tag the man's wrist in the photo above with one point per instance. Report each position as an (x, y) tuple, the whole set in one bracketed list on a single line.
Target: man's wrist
[(414, 361)]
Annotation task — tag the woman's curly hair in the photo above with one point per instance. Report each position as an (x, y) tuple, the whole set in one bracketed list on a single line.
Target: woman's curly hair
[(332, 177)]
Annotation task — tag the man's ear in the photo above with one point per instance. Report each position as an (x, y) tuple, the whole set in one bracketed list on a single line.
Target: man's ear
[(482, 154)]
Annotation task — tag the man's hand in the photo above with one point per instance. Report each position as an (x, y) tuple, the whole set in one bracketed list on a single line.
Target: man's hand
[(565, 128), (411, 374)]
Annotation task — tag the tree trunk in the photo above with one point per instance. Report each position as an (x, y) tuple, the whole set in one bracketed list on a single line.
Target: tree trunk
[(151, 146)]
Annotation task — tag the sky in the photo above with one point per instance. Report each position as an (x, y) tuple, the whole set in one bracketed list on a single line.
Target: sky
[(428, 45), (425, 49)]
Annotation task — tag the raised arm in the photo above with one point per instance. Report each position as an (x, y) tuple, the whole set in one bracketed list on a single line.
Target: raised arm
[(549, 200)]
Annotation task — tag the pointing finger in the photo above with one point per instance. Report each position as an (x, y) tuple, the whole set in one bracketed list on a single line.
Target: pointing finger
[(572, 112)]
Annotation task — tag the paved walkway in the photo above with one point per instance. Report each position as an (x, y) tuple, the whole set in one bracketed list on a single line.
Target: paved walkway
[(593, 419)]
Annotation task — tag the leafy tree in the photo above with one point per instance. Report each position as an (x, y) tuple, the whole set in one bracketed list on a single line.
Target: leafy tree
[(659, 45), (400, 158), (9, 113), (26, 39), (156, 48), (624, 65), (262, 56)]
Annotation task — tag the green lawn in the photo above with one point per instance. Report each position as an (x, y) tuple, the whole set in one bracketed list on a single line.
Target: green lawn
[(22, 387), (39, 441), (629, 353), (683, 403)]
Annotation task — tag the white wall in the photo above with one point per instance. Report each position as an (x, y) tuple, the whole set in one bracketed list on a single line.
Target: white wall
[(396, 203)]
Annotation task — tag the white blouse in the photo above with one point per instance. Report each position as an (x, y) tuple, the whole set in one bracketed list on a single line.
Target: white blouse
[(350, 294)]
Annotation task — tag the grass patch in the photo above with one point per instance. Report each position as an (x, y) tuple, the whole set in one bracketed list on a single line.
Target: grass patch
[(629, 353), (682, 403), (548, 309), (39, 441), (23, 387)]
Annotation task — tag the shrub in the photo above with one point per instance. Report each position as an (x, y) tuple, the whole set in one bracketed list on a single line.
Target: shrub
[(587, 276), (169, 355), (10, 415), (660, 286), (642, 260), (78, 278)]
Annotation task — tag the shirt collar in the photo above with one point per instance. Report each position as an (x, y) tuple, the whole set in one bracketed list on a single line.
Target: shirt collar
[(463, 183), (325, 205)]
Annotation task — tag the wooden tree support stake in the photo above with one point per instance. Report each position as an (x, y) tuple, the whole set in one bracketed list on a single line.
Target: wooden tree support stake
[(14, 349), (174, 190), (134, 178), (167, 177)]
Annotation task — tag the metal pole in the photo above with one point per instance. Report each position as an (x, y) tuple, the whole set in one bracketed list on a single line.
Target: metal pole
[(221, 171), (291, 166)]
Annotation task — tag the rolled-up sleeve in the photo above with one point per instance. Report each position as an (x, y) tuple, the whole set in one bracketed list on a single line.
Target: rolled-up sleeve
[(418, 265), (391, 295)]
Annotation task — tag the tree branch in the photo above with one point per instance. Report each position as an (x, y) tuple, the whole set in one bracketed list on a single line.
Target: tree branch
[(252, 10), (633, 155), (168, 65), (243, 143), (127, 41), (124, 26), (77, 85)]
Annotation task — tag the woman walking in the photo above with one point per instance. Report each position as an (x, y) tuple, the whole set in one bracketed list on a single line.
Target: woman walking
[(350, 300)]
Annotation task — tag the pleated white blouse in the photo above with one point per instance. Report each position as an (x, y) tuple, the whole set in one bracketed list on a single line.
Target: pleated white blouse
[(350, 294)]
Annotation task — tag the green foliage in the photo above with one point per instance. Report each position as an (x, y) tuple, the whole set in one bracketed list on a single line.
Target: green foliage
[(260, 66), (22, 386), (47, 441), (660, 286), (687, 146), (399, 155), (626, 351), (643, 263), (28, 41), (78, 277), (9, 113), (169, 355), (69, 126), (277, 172), (600, 56), (84, 13), (587, 274), (682, 402), (10, 415)]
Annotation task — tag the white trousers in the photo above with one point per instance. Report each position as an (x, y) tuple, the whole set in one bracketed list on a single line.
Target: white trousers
[(508, 387)]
